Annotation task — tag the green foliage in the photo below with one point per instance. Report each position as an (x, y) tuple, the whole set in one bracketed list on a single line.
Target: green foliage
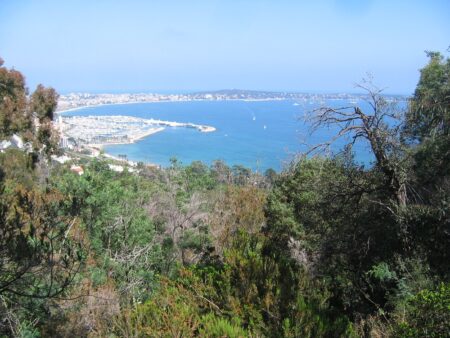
[(98, 276), (326, 248), (27, 330), (121, 235), (382, 272), (308, 319), (214, 326), (320, 209), (47, 139), (17, 112), (427, 125), (253, 287), (173, 312), (179, 311), (41, 251), (428, 314), (17, 167), (44, 102), (198, 177), (429, 112), (429, 227), (38, 258), (14, 117)]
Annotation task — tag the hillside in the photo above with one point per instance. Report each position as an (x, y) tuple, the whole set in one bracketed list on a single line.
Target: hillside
[(325, 248)]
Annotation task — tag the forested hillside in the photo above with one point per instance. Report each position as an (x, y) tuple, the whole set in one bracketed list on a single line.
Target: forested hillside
[(326, 248)]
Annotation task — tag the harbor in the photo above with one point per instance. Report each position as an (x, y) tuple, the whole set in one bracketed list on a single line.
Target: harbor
[(108, 130)]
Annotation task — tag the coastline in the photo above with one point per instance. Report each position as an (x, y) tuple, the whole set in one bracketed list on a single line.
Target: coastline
[(135, 138), (57, 112), (98, 132), (85, 127), (102, 104), (96, 147)]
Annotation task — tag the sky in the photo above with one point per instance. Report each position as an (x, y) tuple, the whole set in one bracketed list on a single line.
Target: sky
[(168, 45)]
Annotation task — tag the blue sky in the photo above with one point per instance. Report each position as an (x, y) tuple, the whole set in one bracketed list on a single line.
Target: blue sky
[(216, 44)]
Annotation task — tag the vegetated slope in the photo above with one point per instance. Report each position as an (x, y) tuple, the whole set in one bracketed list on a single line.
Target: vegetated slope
[(326, 248)]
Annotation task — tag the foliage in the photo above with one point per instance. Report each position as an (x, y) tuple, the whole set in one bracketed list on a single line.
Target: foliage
[(121, 235), (380, 126), (17, 112), (428, 314), (235, 209), (41, 249), (14, 116), (429, 112), (178, 310), (326, 248), (43, 103)]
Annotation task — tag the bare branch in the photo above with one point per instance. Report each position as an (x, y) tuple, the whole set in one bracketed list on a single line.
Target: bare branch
[(373, 126)]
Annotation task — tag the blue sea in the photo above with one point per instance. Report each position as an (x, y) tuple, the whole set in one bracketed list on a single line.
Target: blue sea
[(256, 134)]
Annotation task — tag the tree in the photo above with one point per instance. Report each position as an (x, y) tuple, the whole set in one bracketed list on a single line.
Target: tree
[(111, 206), (43, 103), (14, 117), (182, 226), (429, 110), (380, 127), (323, 215), (427, 131), (235, 209), (427, 128), (38, 258), (41, 250), (16, 111), (221, 172)]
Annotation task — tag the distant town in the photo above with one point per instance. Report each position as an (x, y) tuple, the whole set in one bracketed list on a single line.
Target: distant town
[(79, 100)]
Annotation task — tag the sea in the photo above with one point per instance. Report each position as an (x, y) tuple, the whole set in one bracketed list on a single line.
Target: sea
[(258, 135)]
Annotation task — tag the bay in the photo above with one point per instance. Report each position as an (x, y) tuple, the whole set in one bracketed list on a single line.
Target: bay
[(256, 134)]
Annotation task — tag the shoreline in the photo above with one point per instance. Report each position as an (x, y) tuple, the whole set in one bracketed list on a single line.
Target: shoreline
[(90, 130), (135, 138), (103, 104), (57, 112), (148, 126), (115, 158)]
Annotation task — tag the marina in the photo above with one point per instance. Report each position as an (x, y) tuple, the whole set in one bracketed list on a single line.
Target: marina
[(108, 130)]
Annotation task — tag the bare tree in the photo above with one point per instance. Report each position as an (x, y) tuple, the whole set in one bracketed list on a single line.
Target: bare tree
[(380, 126), (178, 220)]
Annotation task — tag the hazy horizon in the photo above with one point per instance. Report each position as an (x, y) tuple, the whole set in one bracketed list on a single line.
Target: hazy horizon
[(355, 91), (175, 46)]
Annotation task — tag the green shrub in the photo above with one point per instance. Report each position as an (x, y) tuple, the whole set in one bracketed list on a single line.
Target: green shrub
[(428, 314)]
